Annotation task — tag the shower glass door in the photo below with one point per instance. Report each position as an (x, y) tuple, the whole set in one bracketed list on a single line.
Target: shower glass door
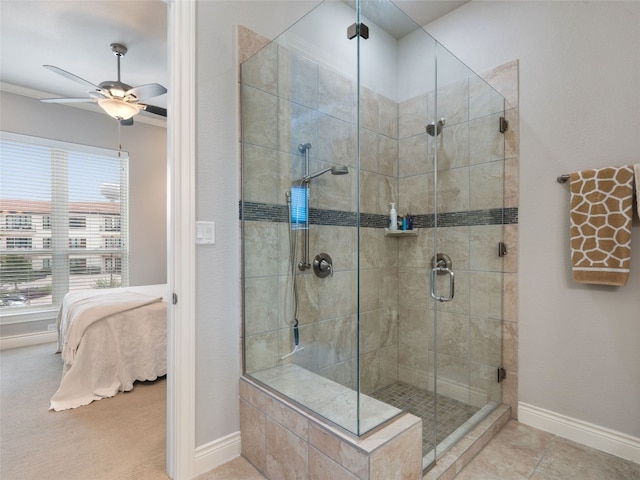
[(466, 193)]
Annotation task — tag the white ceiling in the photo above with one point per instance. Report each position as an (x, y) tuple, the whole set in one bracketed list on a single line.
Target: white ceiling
[(75, 35), (421, 12)]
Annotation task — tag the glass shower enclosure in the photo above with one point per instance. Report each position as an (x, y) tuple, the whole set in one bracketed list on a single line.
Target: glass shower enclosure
[(353, 108)]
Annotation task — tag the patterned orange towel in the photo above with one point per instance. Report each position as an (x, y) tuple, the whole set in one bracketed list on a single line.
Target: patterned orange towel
[(600, 213)]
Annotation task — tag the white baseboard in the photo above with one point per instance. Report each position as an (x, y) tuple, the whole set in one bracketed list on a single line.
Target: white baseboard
[(616, 443), (216, 453), (27, 339)]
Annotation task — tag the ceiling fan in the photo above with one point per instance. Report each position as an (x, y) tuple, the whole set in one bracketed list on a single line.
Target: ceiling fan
[(119, 100)]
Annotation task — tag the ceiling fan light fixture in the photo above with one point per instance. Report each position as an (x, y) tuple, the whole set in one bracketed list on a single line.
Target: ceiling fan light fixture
[(118, 109)]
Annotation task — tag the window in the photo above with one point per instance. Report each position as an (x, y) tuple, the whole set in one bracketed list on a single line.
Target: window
[(18, 242), (77, 243), (113, 264), (111, 224), (78, 222), (77, 266), (112, 242), (18, 222), (56, 221)]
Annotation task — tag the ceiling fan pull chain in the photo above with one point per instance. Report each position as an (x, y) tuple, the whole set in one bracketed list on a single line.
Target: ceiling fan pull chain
[(119, 140)]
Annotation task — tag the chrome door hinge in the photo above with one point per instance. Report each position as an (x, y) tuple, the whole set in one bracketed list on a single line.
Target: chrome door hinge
[(502, 249), (174, 298), (504, 125), (357, 29), (502, 374)]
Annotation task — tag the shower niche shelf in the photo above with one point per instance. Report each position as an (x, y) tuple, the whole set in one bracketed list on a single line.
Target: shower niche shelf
[(400, 233)]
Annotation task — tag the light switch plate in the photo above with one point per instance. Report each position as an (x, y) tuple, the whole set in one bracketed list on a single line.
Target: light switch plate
[(205, 233)]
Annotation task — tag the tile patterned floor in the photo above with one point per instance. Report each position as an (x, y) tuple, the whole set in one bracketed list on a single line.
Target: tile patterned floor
[(518, 452), (419, 402), (522, 452)]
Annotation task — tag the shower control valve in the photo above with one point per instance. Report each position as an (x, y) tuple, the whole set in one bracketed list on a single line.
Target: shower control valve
[(323, 265)]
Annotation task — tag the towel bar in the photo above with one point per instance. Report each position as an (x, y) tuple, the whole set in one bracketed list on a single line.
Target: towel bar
[(563, 178)]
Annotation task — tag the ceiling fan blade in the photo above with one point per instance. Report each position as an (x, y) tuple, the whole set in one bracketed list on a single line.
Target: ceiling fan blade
[(98, 94), (153, 109), (71, 76), (147, 91), (67, 100), (127, 122)]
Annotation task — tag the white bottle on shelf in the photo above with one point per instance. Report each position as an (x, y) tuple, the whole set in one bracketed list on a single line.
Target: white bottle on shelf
[(393, 218)]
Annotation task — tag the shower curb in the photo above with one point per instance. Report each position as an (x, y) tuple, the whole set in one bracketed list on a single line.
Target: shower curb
[(280, 438), (451, 463)]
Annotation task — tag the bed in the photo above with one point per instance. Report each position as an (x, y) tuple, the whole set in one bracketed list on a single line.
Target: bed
[(108, 339)]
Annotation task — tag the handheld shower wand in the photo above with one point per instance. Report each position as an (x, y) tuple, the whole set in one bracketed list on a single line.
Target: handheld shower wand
[(296, 341), (294, 288)]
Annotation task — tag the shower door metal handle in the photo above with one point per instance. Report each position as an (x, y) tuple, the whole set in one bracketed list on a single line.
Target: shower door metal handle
[(452, 283)]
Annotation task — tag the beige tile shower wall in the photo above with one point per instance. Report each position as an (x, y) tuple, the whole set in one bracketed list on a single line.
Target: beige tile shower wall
[(378, 254), (289, 100), (378, 309)]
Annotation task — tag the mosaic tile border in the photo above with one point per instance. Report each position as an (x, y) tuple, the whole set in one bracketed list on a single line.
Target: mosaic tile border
[(264, 212)]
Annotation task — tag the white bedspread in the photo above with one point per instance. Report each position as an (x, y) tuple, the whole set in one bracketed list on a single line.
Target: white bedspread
[(110, 342)]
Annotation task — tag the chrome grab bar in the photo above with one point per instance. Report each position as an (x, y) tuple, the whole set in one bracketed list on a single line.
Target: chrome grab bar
[(452, 283)]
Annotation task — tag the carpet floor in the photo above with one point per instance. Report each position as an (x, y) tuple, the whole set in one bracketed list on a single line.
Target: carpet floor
[(123, 437)]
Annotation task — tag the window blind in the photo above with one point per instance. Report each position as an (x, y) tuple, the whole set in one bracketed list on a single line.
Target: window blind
[(63, 220)]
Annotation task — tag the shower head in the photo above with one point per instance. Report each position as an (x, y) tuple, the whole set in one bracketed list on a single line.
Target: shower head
[(433, 130), (337, 170)]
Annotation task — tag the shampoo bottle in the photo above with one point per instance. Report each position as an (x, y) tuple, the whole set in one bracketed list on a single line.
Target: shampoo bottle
[(393, 218)]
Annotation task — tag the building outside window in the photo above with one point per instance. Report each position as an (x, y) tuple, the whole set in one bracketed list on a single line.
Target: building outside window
[(78, 265), (51, 206), (112, 242), (77, 243), (18, 222), (113, 264), (112, 224), (18, 242), (77, 222)]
